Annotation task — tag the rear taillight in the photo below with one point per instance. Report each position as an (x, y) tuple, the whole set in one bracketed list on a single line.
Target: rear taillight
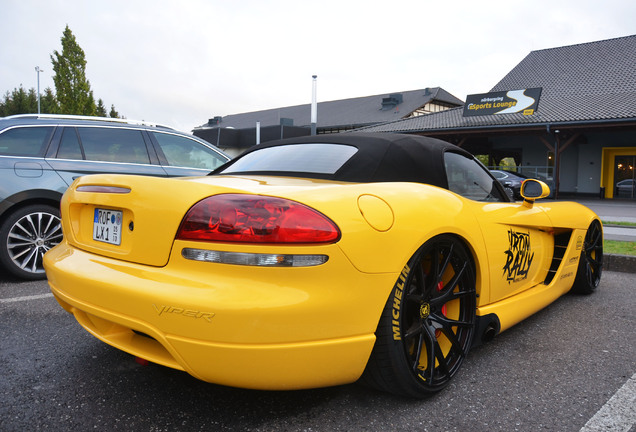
[(256, 219)]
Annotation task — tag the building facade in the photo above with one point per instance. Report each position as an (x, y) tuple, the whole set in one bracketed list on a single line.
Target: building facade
[(234, 133), (580, 136)]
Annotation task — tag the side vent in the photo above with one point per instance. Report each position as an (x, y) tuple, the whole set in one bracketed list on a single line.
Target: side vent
[(561, 242)]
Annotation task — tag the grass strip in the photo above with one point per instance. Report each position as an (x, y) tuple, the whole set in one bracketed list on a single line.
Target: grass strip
[(619, 223), (619, 247)]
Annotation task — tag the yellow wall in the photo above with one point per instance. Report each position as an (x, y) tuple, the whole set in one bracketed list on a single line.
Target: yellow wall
[(607, 168)]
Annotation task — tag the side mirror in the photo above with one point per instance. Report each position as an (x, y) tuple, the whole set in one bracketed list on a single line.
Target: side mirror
[(532, 189)]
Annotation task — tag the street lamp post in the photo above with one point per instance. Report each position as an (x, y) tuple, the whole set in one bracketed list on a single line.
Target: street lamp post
[(314, 107), (38, 70)]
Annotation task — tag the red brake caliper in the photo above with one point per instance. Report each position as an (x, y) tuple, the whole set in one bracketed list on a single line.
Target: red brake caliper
[(440, 287)]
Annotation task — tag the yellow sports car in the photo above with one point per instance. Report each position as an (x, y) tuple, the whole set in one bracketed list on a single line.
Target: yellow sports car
[(318, 261)]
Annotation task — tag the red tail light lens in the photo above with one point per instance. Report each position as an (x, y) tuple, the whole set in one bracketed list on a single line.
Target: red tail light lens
[(256, 219)]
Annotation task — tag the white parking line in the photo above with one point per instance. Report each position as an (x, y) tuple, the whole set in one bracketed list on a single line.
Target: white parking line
[(618, 413), (25, 298)]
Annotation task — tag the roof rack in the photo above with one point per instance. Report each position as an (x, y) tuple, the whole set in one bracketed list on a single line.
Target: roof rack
[(90, 118)]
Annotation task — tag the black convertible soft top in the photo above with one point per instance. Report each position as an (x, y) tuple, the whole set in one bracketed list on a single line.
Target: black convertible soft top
[(381, 157)]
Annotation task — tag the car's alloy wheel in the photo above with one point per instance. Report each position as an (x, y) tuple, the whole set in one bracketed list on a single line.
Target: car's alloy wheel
[(25, 236), (588, 275), (427, 325)]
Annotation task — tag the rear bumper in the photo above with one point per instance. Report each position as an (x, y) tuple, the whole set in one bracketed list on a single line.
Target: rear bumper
[(244, 327)]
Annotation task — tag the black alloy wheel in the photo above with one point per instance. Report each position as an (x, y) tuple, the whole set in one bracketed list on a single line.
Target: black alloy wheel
[(588, 275), (25, 236), (427, 325)]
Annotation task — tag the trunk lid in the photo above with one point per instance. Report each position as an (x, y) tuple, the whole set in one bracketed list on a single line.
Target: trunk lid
[(148, 210)]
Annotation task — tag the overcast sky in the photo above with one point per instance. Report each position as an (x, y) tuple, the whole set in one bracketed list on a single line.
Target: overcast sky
[(182, 62)]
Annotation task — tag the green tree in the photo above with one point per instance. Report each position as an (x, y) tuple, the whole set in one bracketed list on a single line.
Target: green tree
[(113, 113), (73, 90), (3, 105), (19, 101), (74, 94), (48, 102), (483, 159), (101, 109), (31, 102)]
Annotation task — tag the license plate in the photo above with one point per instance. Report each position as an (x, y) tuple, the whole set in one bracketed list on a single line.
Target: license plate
[(107, 226)]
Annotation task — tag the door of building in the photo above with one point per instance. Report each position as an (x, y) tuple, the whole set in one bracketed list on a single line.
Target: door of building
[(624, 177)]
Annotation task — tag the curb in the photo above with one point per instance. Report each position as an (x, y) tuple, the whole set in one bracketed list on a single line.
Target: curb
[(619, 263), (618, 225)]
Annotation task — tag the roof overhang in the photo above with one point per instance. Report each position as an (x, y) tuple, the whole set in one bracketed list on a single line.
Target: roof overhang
[(614, 124)]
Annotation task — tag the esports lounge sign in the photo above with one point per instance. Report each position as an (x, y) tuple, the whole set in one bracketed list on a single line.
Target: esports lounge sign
[(525, 101)]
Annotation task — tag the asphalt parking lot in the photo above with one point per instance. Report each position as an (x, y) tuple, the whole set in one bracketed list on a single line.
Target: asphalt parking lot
[(568, 368), (570, 365)]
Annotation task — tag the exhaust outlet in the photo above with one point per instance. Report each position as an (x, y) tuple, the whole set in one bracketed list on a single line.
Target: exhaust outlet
[(487, 328), (490, 332)]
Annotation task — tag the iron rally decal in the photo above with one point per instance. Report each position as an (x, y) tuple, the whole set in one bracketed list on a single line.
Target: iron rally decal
[(518, 256)]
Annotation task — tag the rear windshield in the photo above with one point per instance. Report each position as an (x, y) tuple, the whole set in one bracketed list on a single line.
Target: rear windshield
[(306, 158)]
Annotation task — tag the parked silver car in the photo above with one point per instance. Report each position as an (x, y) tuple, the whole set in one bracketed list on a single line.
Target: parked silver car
[(41, 155), (626, 188)]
